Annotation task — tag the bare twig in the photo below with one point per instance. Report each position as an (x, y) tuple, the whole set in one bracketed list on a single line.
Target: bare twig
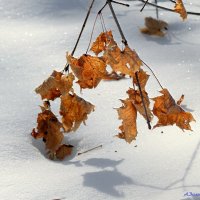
[(145, 3), (79, 37), (168, 9), (100, 146)]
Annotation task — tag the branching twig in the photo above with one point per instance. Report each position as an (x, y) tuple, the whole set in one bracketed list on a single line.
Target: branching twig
[(168, 9), (125, 42), (145, 3)]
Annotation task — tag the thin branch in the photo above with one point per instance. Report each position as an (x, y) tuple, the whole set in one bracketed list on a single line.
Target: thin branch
[(168, 9), (117, 23), (79, 37), (136, 74), (123, 4), (142, 97), (153, 74), (157, 14), (145, 3), (92, 33), (100, 146)]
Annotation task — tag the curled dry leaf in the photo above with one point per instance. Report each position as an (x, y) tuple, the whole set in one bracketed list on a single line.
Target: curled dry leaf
[(135, 97), (154, 27), (169, 113), (64, 151), (88, 69), (55, 85), (127, 61), (180, 8), (101, 42), (48, 128), (74, 111), (128, 114)]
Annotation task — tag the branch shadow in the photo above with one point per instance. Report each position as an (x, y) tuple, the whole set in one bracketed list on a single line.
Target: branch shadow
[(106, 180)]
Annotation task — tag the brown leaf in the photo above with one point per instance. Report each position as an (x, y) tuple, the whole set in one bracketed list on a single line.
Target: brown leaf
[(74, 111), (101, 42), (135, 97), (88, 69), (143, 78), (154, 27), (179, 8), (113, 76), (127, 61), (128, 114), (169, 113), (48, 128), (55, 85), (64, 151)]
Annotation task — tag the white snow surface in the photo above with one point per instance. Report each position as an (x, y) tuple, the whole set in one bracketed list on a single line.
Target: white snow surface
[(162, 164)]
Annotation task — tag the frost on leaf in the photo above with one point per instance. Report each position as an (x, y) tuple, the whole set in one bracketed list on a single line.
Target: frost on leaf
[(64, 151), (74, 111), (169, 113), (48, 128), (135, 97), (88, 69), (128, 114), (154, 27), (127, 61), (101, 42), (179, 8), (55, 85)]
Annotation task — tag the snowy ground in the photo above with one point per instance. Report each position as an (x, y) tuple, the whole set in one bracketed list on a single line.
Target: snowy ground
[(162, 164)]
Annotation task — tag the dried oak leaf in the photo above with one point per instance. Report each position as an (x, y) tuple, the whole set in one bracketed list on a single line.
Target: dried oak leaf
[(55, 85), (48, 128), (169, 113), (179, 8), (74, 111), (88, 69), (135, 97), (127, 61), (154, 27), (128, 114), (64, 151), (143, 78), (101, 42)]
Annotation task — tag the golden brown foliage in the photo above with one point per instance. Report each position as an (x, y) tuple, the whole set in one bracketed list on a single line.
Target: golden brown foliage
[(169, 113), (101, 42), (154, 27), (127, 61), (74, 111), (88, 69), (48, 128), (135, 97), (180, 8), (143, 78), (55, 85), (64, 151), (128, 114)]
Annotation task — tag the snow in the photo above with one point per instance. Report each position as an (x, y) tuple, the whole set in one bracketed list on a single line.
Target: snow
[(161, 164)]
